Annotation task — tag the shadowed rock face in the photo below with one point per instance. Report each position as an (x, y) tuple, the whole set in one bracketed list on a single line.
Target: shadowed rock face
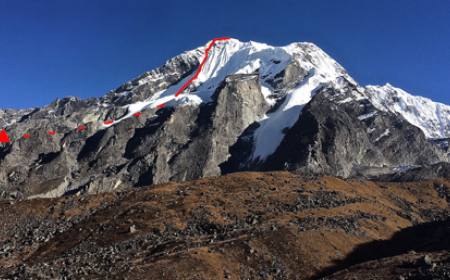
[(331, 138), (175, 143), (94, 159), (337, 133)]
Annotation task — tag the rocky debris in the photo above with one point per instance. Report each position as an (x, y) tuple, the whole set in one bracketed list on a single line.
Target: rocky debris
[(411, 266), (443, 191), (132, 229), (427, 260), (435, 214), (416, 173), (350, 224), (320, 199), (13, 195)]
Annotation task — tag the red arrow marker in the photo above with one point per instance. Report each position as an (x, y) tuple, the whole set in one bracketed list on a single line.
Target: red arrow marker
[(137, 115), (160, 106), (4, 138), (26, 136)]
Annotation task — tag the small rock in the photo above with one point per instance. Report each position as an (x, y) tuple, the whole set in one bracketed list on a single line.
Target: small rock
[(427, 260), (133, 229)]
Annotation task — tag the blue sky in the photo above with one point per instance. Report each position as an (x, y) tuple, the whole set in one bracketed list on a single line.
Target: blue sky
[(84, 48)]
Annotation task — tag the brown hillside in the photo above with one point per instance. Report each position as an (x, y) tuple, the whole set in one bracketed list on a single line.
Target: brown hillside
[(240, 226)]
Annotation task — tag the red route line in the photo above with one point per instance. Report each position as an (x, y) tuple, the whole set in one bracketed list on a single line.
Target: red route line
[(5, 139), (213, 42), (185, 85)]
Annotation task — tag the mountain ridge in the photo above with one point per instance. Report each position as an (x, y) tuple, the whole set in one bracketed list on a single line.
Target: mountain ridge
[(245, 111), (196, 54)]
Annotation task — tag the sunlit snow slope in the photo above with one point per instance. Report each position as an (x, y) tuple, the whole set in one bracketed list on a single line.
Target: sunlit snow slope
[(235, 57)]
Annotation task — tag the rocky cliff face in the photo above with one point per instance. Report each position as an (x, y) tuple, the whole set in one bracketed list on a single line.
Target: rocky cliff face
[(253, 107), (351, 138)]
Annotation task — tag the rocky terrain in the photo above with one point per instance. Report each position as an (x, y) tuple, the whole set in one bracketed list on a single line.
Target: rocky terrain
[(254, 107), (274, 225)]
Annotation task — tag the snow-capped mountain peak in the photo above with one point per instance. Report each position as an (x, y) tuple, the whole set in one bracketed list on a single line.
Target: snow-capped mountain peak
[(311, 66), (313, 69)]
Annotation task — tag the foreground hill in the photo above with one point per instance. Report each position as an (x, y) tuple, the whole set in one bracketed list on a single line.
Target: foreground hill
[(239, 226)]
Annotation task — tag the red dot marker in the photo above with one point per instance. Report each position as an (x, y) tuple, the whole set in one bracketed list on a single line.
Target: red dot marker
[(26, 136), (4, 138), (108, 122), (137, 115), (160, 106), (51, 132), (81, 128)]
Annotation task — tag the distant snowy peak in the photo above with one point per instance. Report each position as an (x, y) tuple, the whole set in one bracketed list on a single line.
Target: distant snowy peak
[(431, 117)]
